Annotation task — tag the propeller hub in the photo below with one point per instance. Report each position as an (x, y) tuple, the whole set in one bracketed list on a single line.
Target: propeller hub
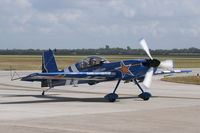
[(151, 63)]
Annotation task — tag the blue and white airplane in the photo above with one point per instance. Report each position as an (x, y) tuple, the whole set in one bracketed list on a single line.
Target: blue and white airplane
[(95, 69)]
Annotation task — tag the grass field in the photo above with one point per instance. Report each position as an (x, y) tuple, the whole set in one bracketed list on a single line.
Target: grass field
[(185, 79), (32, 62)]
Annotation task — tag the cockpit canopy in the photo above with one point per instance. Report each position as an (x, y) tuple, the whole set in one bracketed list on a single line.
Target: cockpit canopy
[(92, 61)]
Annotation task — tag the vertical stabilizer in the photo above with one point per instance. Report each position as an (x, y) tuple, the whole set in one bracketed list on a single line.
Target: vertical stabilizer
[(49, 62), (48, 65)]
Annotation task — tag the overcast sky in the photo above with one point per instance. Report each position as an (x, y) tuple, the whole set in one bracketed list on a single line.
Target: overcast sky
[(43, 24)]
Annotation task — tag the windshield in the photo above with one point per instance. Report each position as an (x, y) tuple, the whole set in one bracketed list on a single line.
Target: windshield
[(92, 61)]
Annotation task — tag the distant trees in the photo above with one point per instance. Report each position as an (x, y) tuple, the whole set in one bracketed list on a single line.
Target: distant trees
[(128, 48), (21, 51), (103, 51), (107, 46)]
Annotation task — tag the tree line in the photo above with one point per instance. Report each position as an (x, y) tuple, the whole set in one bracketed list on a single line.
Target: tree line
[(102, 51)]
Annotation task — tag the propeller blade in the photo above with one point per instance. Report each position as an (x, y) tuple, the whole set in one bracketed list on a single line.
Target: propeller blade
[(148, 78), (145, 47), (167, 64)]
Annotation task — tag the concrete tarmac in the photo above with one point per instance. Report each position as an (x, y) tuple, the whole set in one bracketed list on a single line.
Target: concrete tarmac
[(173, 108)]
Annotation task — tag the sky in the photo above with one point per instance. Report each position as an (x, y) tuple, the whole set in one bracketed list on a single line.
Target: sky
[(70, 24)]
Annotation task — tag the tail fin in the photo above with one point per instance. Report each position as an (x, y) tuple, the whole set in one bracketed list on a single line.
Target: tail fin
[(48, 65), (49, 62)]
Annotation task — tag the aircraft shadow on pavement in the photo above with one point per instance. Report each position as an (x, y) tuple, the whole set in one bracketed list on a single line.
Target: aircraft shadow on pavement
[(52, 98)]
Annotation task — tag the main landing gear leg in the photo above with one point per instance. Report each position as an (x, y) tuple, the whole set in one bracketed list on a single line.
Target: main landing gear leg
[(113, 96), (144, 95)]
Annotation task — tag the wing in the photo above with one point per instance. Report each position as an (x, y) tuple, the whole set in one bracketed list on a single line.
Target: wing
[(73, 75), (159, 72)]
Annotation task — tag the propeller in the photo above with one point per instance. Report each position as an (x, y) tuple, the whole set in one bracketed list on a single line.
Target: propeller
[(148, 78), (143, 43), (152, 63), (149, 74), (169, 64)]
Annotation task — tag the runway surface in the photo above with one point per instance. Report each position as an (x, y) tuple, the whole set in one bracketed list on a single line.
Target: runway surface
[(173, 108)]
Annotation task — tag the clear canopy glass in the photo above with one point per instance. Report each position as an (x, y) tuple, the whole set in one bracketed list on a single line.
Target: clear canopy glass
[(92, 61)]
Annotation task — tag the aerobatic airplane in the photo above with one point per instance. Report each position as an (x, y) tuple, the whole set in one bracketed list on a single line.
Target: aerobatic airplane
[(95, 69)]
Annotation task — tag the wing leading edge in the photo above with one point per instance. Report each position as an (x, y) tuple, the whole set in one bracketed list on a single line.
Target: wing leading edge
[(159, 72)]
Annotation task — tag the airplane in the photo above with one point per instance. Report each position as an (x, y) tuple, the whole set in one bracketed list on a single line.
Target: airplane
[(95, 69)]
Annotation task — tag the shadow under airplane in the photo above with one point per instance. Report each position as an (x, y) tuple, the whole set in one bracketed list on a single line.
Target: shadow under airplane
[(53, 98)]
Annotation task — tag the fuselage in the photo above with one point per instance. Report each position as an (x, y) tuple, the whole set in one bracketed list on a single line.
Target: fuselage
[(127, 69)]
